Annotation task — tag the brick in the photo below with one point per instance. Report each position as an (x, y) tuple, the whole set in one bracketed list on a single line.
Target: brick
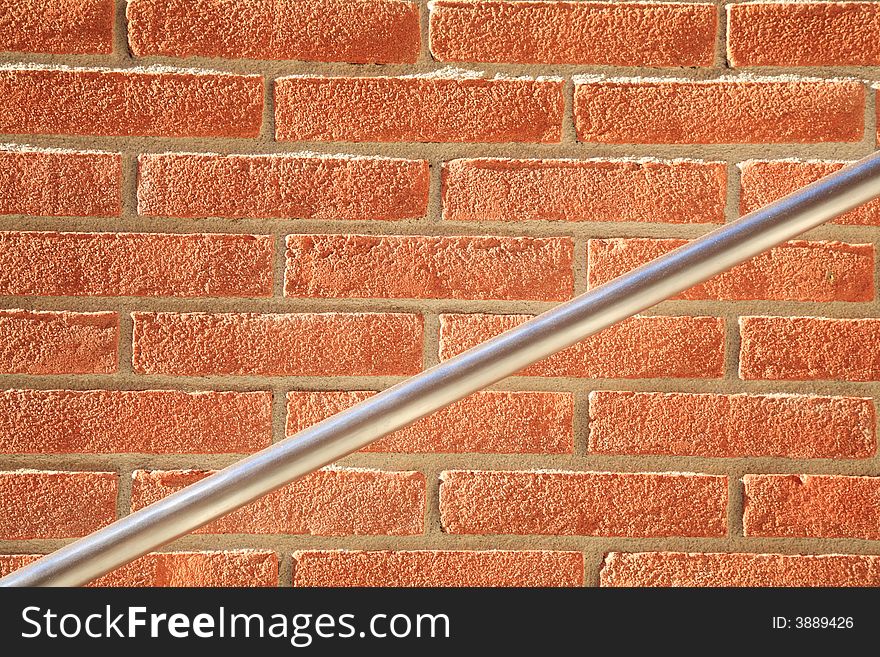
[(418, 109), (9, 563), (139, 421), (135, 264), (637, 348), (593, 33), (152, 102), (364, 32), (426, 568), (645, 191), (330, 502), (583, 503), (747, 110), (58, 183), (35, 504), (794, 271), (282, 186), (490, 422), (695, 569), (765, 181), (71, 27), (228, 568), (809, 348), (803, 34), (35, 342), (328, 344), (427, 267), (817, 506), (712, 425)]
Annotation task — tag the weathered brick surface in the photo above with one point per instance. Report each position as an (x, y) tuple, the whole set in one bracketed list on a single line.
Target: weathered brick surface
[(803, 34), (282, 186), (135, 264), (679, 347), (604, 33), (809, 348), (368, 31), (794, 271), (391, 266), (676, 192), (332, 344), (152, 102), (694, 569), (49, 342), (332, 502), (223, 221), (820, 506), (56, 183), (765, 181), (583, 503), (437, 568), (485, 422), (779, 111), (418, 109), (42, 504), (148, 421), (70, 27), (687, 424), (228, 568)]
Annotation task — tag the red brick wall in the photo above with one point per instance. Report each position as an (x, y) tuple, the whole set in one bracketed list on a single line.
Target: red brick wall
[(222, 222)]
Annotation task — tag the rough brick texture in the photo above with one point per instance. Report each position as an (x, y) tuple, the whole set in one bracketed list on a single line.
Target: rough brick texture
[(331, 344), (224, 221), (803, 34), (821, 506), (55, 183), (646, 191), (47, 342), (279, 186), (418, 109), (135, 264), (437, 568), (65, 27), (731, 111), (367, 31), (583, 503), (389, 266), (795, 271), (685, 424), (809, 348), (148, 421), (333, 502), (679, 347), (714, 569), (229, 568), (36, 504), (143, 102), (765, 181), (485, 422), (599, 33)]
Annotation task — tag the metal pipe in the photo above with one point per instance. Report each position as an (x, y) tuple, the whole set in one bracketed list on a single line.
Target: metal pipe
[(485, 364)]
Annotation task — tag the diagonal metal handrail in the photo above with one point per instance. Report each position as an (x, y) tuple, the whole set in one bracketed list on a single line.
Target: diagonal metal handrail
[(401, 405)]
